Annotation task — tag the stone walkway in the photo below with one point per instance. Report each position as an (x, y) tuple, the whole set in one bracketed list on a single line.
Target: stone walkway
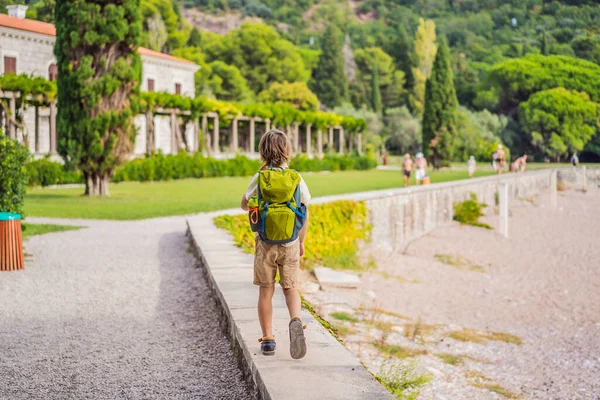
[(117, 310)]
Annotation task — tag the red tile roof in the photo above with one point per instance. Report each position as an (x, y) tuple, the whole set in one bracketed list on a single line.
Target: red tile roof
[(29, 25), (147, 52), (44, 28)]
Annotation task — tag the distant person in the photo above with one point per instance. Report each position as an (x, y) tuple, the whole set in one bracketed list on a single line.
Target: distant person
[(421, 168), (520, 164), (499, 159), (575, 159), (277, 248), (385, 158), (407, 167), (471, 166)]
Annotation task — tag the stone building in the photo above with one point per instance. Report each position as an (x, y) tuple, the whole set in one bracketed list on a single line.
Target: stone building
[(27, 47)]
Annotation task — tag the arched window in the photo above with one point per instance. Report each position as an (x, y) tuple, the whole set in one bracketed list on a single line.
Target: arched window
[(52, 72)]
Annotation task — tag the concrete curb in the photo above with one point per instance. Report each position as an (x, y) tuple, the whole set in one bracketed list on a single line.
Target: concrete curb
[(328, 368)]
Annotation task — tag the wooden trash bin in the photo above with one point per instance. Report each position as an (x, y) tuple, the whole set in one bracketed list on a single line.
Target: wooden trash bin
[(11, 242)]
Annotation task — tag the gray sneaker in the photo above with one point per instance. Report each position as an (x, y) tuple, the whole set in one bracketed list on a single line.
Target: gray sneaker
[(297, 339)]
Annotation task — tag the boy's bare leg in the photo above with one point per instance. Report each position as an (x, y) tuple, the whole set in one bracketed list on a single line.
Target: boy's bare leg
[(293, 301), (265, 310)]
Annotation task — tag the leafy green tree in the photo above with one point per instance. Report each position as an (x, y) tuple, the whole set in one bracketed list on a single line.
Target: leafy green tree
[(391, 81), (544, 45), (329, 80), (559, 121), (439, 116), (517, 79), (43, 10), (375, 91), (227, 83), (296, 93), (99, 70), (261, 55)]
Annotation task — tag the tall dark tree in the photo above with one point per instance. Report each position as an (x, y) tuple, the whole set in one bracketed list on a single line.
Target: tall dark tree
[(544, 45), (99, 70), (375, 90), (439, 116), (195, 39), (329, 81), (405, 58)]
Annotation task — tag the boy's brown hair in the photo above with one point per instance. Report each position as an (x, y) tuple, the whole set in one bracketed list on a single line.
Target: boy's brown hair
[(275, 148)]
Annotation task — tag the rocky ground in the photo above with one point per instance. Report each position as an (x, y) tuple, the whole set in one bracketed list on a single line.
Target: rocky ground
[(482, 316)]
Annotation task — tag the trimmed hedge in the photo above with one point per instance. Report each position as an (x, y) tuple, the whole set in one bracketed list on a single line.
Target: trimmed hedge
[(334, 233), (44, 172), (13, 174), (160, 167)]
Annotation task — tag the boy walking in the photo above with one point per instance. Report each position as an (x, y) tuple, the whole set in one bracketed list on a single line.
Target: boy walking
[(281, 225)]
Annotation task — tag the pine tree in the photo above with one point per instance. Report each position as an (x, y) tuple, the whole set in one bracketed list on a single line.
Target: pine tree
[(195, 39), (330, 82), (375, 90), (99, 70), (439, 116)]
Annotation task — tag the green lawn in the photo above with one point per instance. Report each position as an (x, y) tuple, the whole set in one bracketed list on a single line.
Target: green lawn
[(41, 229), (146, 200)]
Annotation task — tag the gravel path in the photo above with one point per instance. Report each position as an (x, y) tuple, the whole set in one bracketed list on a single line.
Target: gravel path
[(114, 311)]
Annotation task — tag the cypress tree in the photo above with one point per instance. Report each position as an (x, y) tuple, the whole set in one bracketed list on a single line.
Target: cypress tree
[(330, 82), (439, 116), (99, 70), (544, 46), (406, 58), (195, 39), (375, 91)]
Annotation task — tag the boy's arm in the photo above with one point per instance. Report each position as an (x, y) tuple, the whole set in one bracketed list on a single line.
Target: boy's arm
[(302, 235), (244, 203)]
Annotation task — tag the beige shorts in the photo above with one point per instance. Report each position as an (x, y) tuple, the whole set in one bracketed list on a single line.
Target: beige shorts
[(270, 257)]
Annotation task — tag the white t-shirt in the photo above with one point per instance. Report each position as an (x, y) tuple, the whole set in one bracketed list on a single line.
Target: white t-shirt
[(253, 190)]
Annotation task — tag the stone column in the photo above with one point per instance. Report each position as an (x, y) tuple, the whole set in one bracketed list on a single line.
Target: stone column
[(196, 145), (251, 148), (37, 129), (174, 144), (359, 144), (503, 203), (308, 140), (53, 135), (330, 140), (234, 135), (267, 125), (215, 138), (342, 144), (297, 138), (319, 143), (205, 134)]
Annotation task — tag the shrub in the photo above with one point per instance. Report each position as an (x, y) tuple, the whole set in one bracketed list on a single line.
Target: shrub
[(334, 233), (13, 174), (44, 172), (160, 167), (468, 212)]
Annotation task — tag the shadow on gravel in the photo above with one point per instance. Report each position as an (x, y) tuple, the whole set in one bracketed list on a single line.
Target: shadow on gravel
[(201, 364)]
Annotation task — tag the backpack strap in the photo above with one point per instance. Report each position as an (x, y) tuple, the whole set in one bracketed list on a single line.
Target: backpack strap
[(264, 216), (294, 209)]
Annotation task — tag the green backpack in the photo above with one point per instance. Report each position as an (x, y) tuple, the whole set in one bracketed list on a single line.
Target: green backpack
[(277, 214)]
